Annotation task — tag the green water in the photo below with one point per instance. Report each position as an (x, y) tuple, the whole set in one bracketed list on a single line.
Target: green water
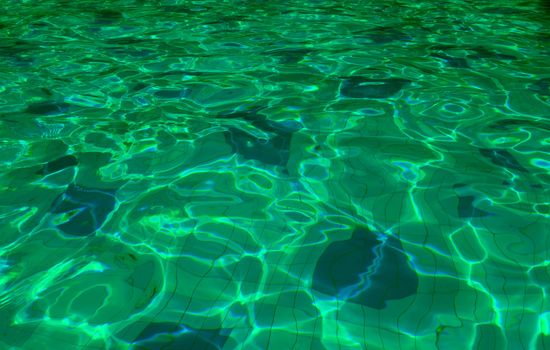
[(277, 175)]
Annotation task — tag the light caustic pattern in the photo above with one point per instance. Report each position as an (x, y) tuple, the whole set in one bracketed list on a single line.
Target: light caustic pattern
[(274, 175)]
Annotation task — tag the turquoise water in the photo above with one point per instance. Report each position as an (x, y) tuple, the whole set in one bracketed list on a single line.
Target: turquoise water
[(189, 175)]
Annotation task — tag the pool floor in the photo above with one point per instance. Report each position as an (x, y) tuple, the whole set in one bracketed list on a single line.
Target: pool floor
[(324, 175)]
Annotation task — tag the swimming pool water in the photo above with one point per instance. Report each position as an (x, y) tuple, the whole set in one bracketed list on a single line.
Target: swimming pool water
[(189, 175)]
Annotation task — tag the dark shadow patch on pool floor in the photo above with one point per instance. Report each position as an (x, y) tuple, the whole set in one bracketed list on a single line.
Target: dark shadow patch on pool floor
[(273, 150), (87, 208), (108, 16), (369, 269), (541, 87), (47, 108), (58, 164), (502, 158), (382, 35), (15, 47), (289, 55), (482, 53)]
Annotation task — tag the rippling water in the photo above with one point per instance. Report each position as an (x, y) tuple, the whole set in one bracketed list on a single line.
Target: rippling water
[(184, 175)]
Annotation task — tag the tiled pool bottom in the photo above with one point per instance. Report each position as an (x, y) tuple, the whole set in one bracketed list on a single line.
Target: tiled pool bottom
[(276, 175)]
